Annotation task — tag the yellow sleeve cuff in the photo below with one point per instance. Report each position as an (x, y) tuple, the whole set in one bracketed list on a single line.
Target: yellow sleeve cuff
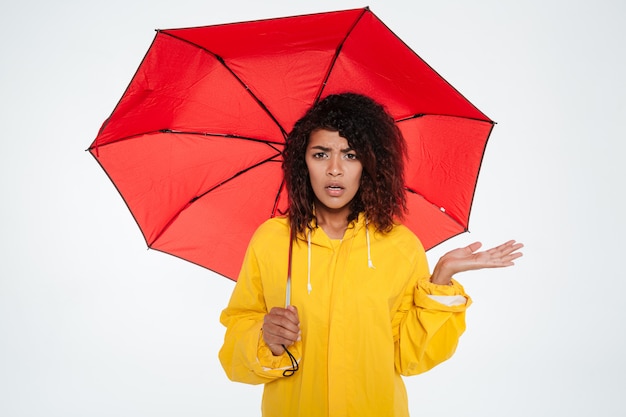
[(280, 363), (425, 288)]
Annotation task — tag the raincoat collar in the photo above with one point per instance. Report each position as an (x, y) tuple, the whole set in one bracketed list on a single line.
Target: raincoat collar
[(316, 236), (320, 238)]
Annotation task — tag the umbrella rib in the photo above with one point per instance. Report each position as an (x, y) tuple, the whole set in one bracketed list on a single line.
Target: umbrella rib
[(239, 80), (196, 198), (243, 171), (337, 52), (181, 132), (271, 143), (418, 115)]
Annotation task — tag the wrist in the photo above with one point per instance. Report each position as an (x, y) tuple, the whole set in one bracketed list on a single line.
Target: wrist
[(440, 275), (441, 282)]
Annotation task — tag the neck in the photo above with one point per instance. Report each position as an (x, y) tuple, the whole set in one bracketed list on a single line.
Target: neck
[(333, 223)]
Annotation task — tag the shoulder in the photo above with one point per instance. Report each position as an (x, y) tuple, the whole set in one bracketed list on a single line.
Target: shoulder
[(271, 230), (402, 235), (402, 240), (269, 241)]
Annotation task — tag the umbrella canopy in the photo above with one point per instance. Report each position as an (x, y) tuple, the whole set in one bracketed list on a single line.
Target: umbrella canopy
[(194, 144)]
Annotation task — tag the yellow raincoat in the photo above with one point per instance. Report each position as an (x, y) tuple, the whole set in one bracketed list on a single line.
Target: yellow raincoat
[(362, 327)]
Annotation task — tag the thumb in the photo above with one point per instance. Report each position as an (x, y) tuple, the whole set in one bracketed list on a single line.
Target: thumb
[(473, 247), (293, 309)]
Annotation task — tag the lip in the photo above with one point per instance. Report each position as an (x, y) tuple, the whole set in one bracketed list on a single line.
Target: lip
[(334, 190)]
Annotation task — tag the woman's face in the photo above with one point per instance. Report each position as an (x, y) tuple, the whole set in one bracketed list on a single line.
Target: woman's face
[(334, 170)]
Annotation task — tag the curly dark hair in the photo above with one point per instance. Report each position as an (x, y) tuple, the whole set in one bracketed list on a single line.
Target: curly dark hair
[(379, 145)]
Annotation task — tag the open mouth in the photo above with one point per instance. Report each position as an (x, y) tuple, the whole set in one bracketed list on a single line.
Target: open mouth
[(334, 190)]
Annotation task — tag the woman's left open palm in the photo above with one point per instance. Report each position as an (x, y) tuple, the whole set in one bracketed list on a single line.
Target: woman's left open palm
[(467, 259)]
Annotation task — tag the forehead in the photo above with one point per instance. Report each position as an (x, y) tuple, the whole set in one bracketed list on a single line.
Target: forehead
[(327, 139)]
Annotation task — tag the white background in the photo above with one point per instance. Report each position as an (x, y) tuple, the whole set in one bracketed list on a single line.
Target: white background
[(93, 324)]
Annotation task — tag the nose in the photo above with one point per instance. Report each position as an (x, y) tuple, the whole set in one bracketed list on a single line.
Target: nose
[(334, 167)]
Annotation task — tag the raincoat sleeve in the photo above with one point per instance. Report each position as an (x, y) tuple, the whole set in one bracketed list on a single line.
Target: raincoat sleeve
[(244, 355), (429, 322)]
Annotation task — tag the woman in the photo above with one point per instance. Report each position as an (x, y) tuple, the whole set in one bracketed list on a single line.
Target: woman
[(364, 308)]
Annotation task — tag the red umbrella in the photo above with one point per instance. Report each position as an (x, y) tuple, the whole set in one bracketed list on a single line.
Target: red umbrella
[(194, 144)]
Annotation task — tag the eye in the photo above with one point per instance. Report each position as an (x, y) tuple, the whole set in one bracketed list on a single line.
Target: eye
[(351, 155), (319, 155)]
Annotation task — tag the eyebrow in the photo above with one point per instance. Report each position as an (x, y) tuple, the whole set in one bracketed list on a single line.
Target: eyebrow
[(325, 149)]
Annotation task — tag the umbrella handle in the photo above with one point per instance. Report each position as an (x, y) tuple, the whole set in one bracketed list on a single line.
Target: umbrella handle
[(288, 289), (294, 361), (288, 293)]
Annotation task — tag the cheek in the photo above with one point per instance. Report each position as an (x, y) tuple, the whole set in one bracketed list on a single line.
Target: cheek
[(314, 174), (358, 175)]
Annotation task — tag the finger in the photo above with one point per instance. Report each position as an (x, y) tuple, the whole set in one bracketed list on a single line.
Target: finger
[(274, 339), (510, 248), (274, 335), (505, 254), (473, 247), (277, 340), (506, 247), (290, 313), (511, 244), (293, 309), (515, 255), (281, 326)]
